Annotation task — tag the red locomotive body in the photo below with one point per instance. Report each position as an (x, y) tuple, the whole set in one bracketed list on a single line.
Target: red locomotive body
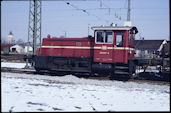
[(66, 47), (111, 50)]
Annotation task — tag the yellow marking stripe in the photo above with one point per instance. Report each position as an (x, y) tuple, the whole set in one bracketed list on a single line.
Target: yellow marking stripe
[(83, 47), (66, 47), (118, 48)]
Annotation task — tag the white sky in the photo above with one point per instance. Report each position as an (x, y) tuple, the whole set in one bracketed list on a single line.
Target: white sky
[(151, 17)]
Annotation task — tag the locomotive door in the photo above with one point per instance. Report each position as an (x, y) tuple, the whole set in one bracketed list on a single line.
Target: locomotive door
[(119, 53), (103, 51)]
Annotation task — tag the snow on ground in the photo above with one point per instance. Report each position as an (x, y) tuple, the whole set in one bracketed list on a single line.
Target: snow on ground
[(25, 92), (13, 65)]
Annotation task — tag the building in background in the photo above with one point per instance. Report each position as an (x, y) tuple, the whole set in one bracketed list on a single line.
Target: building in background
[(10, 38), (149, 48), (28, 49), (165, 50), (17, 49)]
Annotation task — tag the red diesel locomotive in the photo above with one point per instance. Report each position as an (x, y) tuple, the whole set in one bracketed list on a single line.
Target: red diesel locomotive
[(109, 52)]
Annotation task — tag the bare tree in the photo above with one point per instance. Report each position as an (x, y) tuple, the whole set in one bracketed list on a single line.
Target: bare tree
[(19, 41), (3, 41)]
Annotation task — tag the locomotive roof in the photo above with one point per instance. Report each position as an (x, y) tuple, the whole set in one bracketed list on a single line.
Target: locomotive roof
[(114, 28)]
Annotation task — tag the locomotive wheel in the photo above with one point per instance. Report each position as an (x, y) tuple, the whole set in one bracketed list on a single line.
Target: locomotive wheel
[(58, 73), (38, 71), (120, 77)]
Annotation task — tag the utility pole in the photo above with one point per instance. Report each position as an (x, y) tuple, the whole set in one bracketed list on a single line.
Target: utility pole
[(65, 34), (128, 21), (34, 27), (129, 10)]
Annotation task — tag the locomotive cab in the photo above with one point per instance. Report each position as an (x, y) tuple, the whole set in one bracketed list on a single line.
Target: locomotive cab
[(114, 44), (114, 50)]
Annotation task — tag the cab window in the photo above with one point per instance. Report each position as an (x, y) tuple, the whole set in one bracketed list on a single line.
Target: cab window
[(104, 37), (109, 37), (100, 36), (119, 39)]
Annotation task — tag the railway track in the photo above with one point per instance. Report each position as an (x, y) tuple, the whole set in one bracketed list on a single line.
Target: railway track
[(13, 57), (18, 70), (132, 79)]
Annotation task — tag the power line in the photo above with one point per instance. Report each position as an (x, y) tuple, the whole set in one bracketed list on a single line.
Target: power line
[(86, 12), (78, 8)]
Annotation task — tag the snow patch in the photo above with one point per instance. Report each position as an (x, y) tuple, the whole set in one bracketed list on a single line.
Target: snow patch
[(13, 65), (23, 92)]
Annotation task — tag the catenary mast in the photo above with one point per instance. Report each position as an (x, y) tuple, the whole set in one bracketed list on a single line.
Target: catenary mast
[(34, 27)]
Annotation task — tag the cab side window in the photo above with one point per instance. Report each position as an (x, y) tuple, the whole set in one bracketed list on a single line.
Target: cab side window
[(119, 39), (109, 37), (100, 37), (105, 37)]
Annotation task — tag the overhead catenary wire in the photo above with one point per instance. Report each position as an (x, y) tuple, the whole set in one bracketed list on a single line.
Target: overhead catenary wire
[(77, 8), (108, 9)]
